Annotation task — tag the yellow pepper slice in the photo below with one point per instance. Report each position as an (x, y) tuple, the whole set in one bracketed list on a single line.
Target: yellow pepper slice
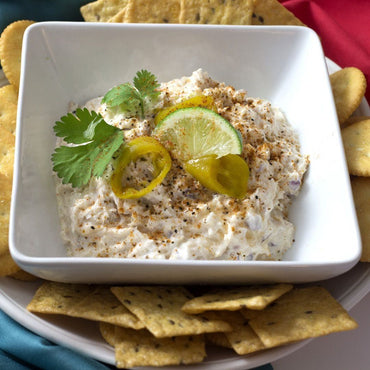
[(196, 101), (225, 175), (131, 152)]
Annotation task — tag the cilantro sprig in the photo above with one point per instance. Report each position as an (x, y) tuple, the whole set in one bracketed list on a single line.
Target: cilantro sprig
[(137, 97), (95, 143)]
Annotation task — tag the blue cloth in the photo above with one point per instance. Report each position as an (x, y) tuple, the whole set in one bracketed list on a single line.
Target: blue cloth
[(21, 349)]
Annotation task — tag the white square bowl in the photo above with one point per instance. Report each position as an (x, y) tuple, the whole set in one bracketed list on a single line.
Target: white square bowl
[(64, 62)]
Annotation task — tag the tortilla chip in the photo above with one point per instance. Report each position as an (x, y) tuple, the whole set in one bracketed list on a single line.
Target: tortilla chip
[(152, 11), (23, 276), (8, 115), (5, 197), (349, 86), (102, 10), (361, 196), (271, 12), (58, 298), (252, 297), (9, 94), (11, 50), (238, 12), (119, 17), (300, 314), (242, 338), (7, 143), (356, 141), (218, 339), (7, 264), (201, 12), (249, 314), (102, 305), (108, 332), (89, 302), (159, 308), (141, 348)]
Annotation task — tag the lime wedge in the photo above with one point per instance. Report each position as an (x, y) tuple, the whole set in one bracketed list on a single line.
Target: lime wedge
[(195, 132)]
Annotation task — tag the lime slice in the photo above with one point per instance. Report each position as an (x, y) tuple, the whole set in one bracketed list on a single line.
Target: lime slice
[(204, 101), (190, 133)]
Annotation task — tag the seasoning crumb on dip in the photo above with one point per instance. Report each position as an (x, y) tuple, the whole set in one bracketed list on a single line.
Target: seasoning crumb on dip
[(181, 219)]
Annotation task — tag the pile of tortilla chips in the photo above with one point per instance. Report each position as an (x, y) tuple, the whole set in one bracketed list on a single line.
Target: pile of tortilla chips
[(169, 325), (237, 12)]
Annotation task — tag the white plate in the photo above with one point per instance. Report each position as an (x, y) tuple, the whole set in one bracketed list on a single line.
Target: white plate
[(83, 336), (285, 65)]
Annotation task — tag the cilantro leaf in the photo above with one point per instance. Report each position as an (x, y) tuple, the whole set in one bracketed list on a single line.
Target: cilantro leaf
[(147, 84), (98, 143), (124, 94), (82, 127), (130, 98)]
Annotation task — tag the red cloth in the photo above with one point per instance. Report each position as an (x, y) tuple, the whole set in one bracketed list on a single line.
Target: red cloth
[(344, 29)]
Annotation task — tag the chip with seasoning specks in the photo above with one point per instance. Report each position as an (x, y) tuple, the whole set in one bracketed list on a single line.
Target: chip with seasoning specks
[(252, 297), (249, 314), (271, 12), (237, 12), (119, 17), (102, 10), (7, 264), (58, 298), (108, 332), (152, 11), (141, 348), (242, 338), (218, 339), (102, 305), (300, 314), (90, 302), (23, 276), (159, 308)]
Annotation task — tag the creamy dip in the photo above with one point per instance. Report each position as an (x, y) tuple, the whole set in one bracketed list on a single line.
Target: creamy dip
[(180, 219)]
